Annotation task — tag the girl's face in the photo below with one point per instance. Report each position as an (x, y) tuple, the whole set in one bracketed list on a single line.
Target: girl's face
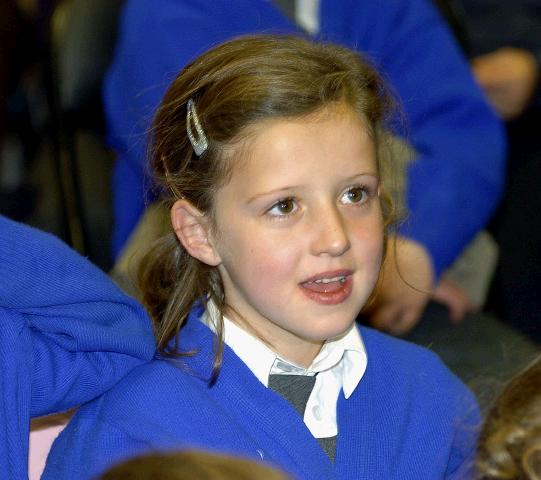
[(299, 230)]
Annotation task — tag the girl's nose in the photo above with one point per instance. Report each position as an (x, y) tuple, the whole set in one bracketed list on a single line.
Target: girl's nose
[(330, 233)]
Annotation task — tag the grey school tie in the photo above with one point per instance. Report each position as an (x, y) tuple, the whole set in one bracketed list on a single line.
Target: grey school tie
[(296, 389)]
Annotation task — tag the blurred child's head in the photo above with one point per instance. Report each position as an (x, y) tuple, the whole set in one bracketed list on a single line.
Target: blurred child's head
[(510, 441), (191, 465), (277, 203)]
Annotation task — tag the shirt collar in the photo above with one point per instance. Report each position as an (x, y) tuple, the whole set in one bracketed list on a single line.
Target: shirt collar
[(345, 355)]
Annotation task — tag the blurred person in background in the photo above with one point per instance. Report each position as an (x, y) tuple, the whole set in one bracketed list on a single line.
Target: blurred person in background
[(503, 41), (506, 47), (23, 37), (15, 55)]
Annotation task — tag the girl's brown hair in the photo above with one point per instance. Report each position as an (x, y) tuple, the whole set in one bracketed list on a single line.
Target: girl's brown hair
[(234, 86), (510, 441)]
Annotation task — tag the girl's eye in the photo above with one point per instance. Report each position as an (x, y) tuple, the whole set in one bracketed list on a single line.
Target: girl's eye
[(282, 208), (355, 195)]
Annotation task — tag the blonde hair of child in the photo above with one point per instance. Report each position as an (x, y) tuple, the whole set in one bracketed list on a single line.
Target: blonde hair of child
[(510, 441), (233, 87)]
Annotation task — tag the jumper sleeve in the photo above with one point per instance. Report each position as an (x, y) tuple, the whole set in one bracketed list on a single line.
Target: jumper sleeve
[(81, 333), (93, 447), (461, 465), (455, 181), (15, 350)]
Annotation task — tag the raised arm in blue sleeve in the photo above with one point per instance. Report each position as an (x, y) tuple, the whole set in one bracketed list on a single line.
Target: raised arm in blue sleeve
[(67, 334), (456, 180)]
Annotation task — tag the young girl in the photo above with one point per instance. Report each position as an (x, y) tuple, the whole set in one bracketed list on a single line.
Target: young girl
[(266, 148)]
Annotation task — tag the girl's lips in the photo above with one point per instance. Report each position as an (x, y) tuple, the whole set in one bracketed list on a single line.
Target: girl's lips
[(329, 293)]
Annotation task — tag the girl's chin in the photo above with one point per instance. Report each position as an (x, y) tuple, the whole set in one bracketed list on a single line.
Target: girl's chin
[(330, 332)]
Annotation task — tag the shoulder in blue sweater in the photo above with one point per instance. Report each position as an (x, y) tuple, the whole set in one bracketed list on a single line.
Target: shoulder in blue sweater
[(409, 418)]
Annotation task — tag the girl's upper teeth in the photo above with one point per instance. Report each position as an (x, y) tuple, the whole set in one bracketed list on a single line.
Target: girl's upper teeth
[(330, 280)]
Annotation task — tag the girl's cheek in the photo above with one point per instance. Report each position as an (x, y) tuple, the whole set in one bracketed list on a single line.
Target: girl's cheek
[(280, 259), (272, 261), (370, 232)]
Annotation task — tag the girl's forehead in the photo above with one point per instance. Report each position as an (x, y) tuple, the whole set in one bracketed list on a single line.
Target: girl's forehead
[(295, 128), (332, 142), (331, 112)]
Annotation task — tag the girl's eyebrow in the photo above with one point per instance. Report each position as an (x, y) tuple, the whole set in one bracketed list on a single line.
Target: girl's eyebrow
[(293, 187), (364, 174), (272, 192)]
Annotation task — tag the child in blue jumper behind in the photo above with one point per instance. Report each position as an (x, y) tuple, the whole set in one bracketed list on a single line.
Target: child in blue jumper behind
[(67, 334), (266, 148)]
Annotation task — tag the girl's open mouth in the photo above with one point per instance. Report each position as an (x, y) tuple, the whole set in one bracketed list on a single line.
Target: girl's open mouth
[(329, 288)]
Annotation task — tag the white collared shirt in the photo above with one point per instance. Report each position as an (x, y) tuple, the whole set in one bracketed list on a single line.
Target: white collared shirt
[(340, 364)]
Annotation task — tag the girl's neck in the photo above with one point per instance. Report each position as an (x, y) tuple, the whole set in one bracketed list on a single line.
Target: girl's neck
[(300, 352)]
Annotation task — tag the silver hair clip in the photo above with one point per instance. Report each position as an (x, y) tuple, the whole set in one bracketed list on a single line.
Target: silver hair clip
[(199, 143)]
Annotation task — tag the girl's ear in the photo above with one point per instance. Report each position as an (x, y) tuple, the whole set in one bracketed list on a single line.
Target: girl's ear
[(193, 230)]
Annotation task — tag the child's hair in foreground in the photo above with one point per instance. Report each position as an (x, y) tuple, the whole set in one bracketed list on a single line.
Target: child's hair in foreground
[(510, 441), (191, 465), (234, 87)]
